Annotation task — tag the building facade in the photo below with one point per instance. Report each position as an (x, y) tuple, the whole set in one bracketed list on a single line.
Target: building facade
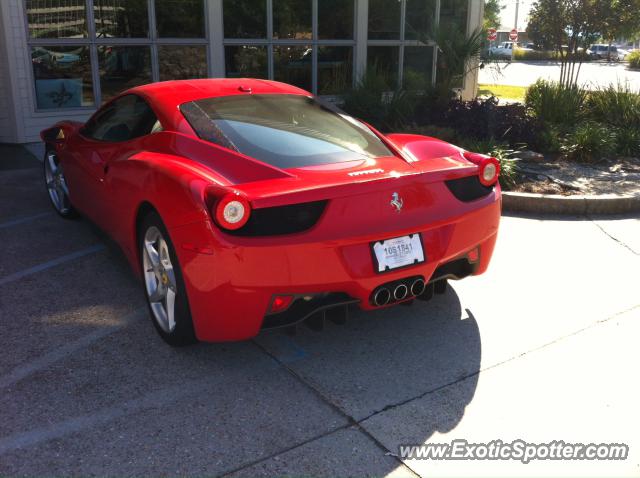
[(59, 59)]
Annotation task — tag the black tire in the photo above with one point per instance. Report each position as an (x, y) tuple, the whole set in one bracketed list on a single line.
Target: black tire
[(64, 209), (182, 334)]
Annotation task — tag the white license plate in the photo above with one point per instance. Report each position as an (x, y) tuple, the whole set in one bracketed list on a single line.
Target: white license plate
[(398, 252)]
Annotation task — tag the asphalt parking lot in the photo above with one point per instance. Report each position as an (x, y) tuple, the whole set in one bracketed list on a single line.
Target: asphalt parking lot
[(543, 347), (592, 75)]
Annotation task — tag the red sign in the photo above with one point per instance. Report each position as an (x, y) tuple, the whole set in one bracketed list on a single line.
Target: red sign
[(492, 34), (513, 35)]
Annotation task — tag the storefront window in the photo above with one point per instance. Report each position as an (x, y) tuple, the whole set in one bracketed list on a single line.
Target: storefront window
[(292, 64), (335, 19), (57, 18), (181, 62), (391, 41), (417, 67), (335, 69), (123, 67), (384, 19), (246, 61), (308, 43), (292, 19), (245, 18), (419, 19), (62, 76), (121, 18), (180, 18), (123, 45), (453, 15), (297, 56), (384, 61)]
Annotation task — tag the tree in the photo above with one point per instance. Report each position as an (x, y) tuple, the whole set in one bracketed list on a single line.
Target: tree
[(620, 18), (569, 27), (492, 11)]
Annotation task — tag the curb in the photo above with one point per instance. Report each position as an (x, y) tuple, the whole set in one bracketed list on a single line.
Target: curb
[(576, 205)]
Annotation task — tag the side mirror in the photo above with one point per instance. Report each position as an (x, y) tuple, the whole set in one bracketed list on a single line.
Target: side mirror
[(53, 135)]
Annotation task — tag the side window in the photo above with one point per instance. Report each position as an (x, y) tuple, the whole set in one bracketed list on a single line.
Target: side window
[(124, 119)]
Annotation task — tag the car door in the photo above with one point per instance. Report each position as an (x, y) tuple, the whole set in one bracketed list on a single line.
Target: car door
[(110, 134)]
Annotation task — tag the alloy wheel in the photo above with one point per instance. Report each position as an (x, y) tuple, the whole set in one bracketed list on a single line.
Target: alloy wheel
[(56, 184), (159, 278)]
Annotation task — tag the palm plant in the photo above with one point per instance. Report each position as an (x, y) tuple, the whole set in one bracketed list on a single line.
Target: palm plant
[(458, 54)]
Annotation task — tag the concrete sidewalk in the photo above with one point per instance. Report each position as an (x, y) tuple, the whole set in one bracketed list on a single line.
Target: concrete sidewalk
[(541, 348)]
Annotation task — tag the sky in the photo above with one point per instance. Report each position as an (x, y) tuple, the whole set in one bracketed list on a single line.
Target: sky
[(507, 17)]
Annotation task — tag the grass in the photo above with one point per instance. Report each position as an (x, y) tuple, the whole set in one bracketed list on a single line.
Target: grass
[(504, 92)]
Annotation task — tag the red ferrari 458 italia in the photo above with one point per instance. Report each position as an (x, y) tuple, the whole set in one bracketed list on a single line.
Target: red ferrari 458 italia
[(249, 204)]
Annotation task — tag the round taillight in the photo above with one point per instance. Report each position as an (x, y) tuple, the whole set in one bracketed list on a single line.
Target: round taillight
[(232, 211), (489, 171)]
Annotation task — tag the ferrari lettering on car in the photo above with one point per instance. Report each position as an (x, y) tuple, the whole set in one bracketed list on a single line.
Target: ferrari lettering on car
[(248, 204)]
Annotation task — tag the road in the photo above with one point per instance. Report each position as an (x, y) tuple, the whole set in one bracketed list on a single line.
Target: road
[(592, 75), (543, 347)]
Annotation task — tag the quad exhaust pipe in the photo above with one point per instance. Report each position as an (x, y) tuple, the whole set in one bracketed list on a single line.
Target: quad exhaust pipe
[(417, 287), (381, 296), (398, 291)]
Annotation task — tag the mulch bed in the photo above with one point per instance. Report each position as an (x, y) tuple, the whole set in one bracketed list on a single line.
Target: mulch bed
[(558, 175)]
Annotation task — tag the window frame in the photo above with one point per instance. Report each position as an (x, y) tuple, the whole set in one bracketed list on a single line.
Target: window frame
[(314, 42), (401, 42), (152, 41)]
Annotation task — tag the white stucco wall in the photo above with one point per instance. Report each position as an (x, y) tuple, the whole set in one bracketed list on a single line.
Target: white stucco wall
[(474, 21), (6, 135), (7, 129)]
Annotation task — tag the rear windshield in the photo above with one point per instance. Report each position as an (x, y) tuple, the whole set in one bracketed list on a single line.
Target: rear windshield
[(286, 131)]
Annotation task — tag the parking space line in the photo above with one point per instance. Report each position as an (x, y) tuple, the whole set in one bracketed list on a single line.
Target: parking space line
[(155, 399), (52, 263), (59, 353), (22, 220)]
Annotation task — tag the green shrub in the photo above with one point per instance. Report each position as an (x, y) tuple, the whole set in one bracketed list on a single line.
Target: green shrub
[(365, 100), (375, 101), (616, 105), (628, 142), (552, 102), (589, 142), (634, 60), (534, 55), (548, 139)]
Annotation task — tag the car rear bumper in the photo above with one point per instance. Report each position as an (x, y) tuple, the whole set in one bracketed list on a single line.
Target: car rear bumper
[(230, 286)]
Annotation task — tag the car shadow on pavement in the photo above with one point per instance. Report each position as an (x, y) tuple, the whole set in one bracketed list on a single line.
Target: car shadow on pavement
[(379, 363)]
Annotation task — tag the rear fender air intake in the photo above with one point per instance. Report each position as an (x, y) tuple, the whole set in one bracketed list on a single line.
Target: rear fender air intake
[(468, 188), (280, 220)]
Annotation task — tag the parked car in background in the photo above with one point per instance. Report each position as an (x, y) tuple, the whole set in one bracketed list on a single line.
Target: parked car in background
[(622, 54), (505, 49), (600, 52)]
